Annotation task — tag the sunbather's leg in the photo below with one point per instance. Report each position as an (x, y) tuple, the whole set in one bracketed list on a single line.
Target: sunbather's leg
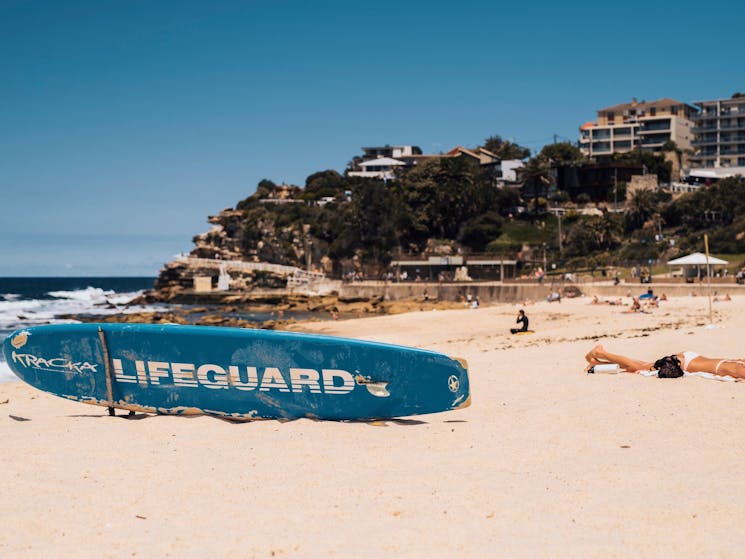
[(598, 354)]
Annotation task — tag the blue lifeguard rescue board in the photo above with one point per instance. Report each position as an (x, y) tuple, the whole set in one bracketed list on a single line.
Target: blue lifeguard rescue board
[(237, 373)]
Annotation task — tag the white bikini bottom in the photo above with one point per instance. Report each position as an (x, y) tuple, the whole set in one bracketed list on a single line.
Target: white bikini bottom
[(689, 356)]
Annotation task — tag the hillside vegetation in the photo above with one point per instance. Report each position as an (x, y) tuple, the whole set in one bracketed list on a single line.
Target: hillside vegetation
[(449, 206)]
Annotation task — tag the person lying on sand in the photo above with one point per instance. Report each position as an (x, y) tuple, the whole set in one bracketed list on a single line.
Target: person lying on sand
[(635, 306), (690, 362)]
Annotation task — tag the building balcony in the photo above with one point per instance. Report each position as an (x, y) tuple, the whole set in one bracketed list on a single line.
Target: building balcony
[(653, 142), (733, 139), (652, 130), (732, 126), (701, 143), (704, 129), (729, 111)]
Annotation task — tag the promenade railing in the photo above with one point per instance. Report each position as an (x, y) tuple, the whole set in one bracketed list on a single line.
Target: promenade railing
[(294, 275)]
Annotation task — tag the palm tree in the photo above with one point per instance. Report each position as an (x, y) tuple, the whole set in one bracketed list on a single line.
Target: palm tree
[(640, 208)]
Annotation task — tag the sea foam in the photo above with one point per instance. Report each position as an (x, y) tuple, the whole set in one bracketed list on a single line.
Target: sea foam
[(6, 374)]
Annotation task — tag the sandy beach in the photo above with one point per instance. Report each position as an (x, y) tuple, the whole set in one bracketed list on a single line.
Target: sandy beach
[(547, 462)]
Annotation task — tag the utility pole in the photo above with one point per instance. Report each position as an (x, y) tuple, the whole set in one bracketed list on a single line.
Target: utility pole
[(544, 258), (557, 212)]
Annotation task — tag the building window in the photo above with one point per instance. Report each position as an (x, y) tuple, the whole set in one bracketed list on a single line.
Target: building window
[(674, 110), (652, 111)]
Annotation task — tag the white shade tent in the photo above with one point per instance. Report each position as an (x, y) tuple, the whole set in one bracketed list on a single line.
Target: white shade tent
[(696, 259)]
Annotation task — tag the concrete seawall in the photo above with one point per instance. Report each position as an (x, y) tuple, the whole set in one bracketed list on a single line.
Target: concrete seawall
[(516, 292)]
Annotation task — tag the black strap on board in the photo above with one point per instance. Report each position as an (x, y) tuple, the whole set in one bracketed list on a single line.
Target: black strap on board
[(107, 369)]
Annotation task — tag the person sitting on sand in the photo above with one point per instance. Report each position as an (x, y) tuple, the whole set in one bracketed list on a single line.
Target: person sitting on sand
[(690, 362), (635, 305), (521, 317)]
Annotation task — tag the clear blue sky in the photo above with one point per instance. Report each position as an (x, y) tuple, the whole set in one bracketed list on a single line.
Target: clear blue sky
[(124, 124)]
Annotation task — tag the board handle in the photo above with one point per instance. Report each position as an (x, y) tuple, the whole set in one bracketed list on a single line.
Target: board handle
[(376, 388)]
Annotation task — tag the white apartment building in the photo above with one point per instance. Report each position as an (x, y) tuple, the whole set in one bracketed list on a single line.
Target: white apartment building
[(648, 125), (719, 134)]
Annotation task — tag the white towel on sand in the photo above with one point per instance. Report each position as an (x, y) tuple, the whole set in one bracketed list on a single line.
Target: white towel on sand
[(709, 376)]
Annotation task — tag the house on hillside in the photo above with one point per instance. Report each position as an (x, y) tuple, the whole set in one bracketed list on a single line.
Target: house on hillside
[(382, 162), (381, 168), (394, 152)]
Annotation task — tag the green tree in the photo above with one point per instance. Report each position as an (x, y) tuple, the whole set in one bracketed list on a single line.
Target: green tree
[(718, 209), (369, 229), (505, 149), (562, 153), (438, 196), (654, 163), (640, 207), (479, 231), (536, 177), (594, 233), (324, 184)]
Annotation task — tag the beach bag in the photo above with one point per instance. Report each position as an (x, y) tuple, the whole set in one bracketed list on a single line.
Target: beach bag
[(668, 367)]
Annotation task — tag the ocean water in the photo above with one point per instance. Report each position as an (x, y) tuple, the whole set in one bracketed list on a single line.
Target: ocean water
[(32, 301)]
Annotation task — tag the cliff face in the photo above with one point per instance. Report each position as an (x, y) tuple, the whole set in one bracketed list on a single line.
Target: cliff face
[(224, 239), (254, 234)]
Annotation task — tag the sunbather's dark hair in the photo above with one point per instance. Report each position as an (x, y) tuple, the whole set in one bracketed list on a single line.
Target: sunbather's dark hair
[(668, 367)]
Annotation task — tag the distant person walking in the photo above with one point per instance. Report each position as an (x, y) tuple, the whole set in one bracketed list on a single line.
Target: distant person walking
[(521, 317)]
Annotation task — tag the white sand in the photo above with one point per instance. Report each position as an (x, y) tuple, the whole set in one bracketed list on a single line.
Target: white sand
[(547, 462)]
